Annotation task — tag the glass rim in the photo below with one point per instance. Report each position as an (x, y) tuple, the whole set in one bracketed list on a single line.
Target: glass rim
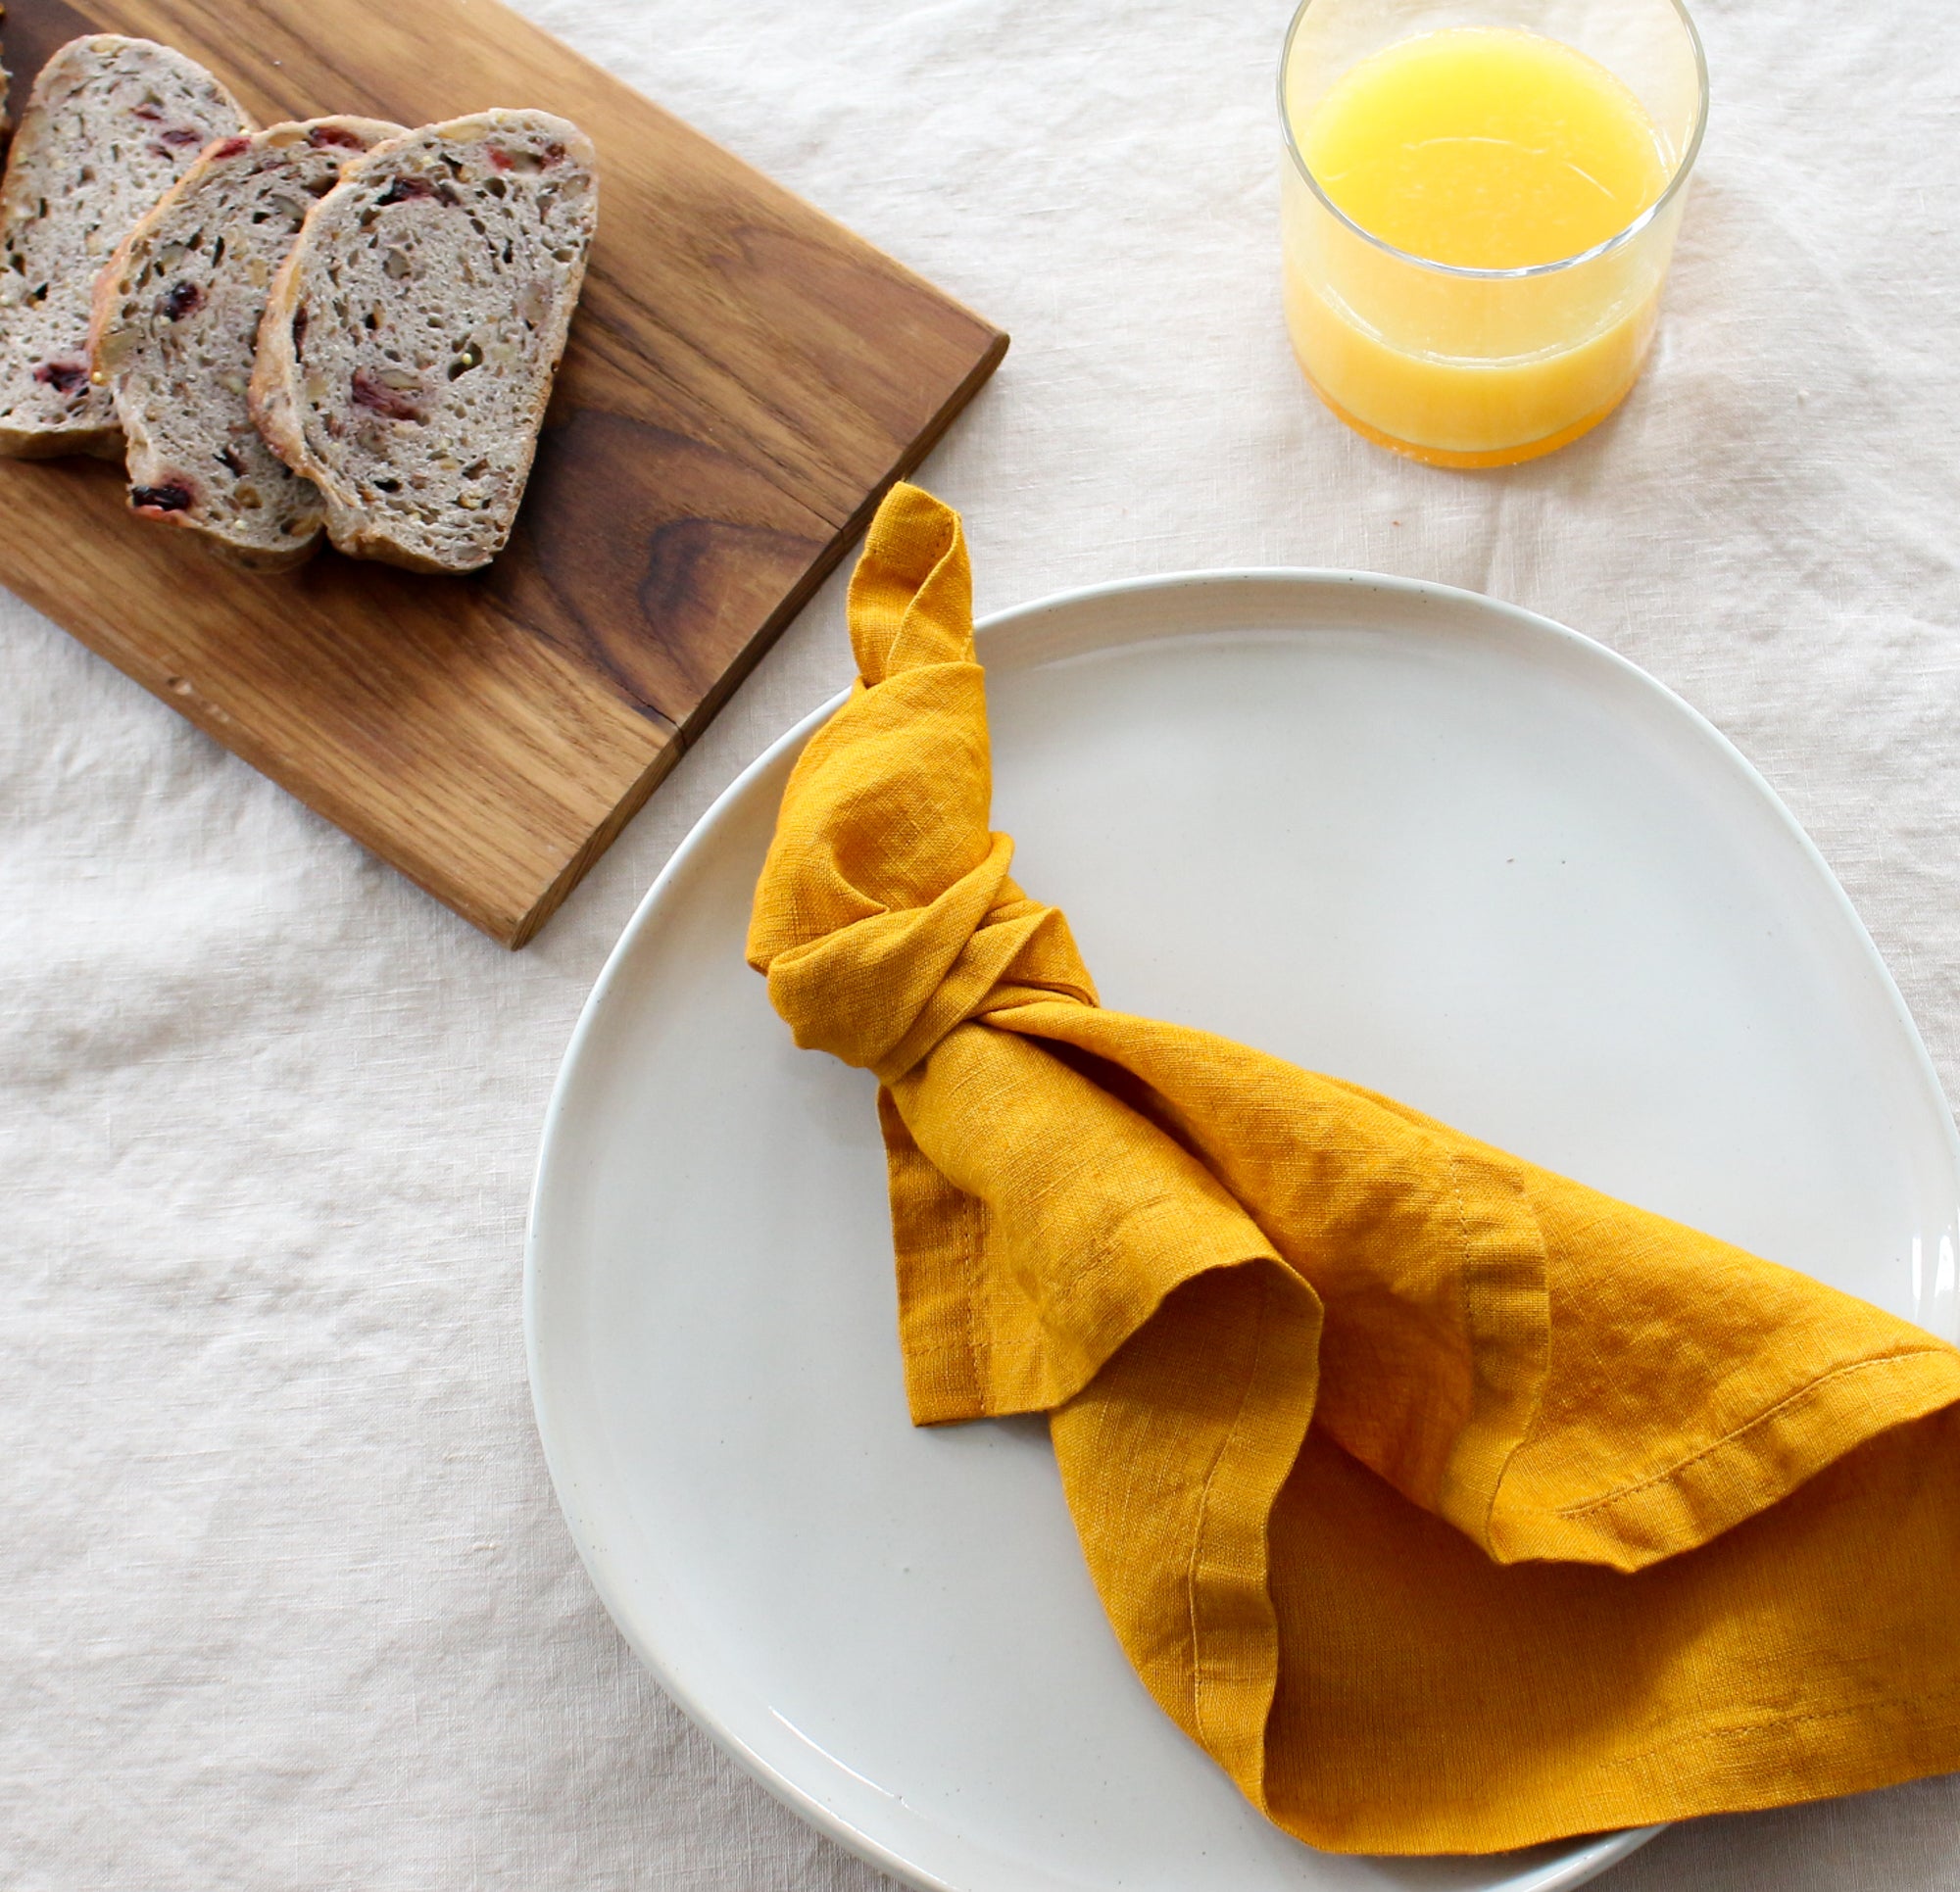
[(1619, 239)]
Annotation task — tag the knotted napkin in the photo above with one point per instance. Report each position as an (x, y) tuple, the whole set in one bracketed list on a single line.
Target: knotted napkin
[(1448, 1504)]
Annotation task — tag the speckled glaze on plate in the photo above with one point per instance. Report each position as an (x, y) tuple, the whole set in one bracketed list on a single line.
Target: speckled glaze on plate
[(1405, 833)]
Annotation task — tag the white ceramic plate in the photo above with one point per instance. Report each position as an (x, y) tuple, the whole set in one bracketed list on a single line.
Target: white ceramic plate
[(1404, 834)]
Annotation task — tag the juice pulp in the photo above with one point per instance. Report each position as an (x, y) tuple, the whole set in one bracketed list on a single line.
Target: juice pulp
[(1487, 148)]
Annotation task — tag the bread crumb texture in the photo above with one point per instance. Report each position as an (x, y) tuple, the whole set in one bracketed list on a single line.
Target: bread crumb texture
[(110, 126), (176, 334), (421, 318)]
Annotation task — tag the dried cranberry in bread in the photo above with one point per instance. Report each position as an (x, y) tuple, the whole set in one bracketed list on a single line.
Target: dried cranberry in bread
[(410, 338), (110, 126), (177, 330)]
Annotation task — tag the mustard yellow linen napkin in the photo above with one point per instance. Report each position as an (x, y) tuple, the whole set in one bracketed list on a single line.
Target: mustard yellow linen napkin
[(1448, 1504)]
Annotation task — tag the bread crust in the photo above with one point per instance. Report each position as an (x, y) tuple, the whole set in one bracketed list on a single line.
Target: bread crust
[(362, 522)]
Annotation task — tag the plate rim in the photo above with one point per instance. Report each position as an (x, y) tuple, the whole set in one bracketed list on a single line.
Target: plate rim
[(1589, 1856)]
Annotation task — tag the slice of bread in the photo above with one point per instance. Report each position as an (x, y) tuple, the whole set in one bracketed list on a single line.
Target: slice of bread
[(110, 126), (411, 336), (177, 330)]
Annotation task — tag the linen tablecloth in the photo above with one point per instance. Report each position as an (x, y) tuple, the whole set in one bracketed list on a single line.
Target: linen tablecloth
[(284, 1596)]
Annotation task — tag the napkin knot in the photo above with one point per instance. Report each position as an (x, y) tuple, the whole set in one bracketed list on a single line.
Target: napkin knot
[(886, 916)]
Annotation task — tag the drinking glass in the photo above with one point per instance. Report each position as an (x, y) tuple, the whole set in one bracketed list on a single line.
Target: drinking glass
[(1481, 367)]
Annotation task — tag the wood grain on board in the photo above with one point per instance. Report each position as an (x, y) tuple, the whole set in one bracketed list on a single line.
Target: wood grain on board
[(744, 380)]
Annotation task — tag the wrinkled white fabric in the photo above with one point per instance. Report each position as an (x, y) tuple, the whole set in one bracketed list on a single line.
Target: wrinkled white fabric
[(284, 1597)]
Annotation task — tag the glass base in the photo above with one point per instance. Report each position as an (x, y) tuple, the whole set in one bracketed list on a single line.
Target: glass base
[(1452, 456)]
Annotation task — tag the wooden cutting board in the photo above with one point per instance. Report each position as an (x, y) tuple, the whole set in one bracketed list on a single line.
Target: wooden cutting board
[(744, 378)]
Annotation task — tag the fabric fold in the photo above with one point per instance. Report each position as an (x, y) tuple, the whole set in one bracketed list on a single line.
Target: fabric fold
[(1448, 1504)]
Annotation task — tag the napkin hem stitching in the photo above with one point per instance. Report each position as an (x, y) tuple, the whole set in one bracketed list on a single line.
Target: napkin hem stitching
[(1199, 1536), (1770, 1720), (1763, 1418), (975, 1244)]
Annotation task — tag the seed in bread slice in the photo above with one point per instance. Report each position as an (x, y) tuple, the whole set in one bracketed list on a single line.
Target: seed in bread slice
[(177, 330), (412, 333), (109, 124)]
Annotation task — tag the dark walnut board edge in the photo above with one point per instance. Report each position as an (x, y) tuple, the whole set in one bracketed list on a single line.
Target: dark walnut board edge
[(744, 382)]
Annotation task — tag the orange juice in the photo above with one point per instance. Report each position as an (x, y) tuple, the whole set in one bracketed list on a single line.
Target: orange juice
[(1480, 148), (1486, 147)]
